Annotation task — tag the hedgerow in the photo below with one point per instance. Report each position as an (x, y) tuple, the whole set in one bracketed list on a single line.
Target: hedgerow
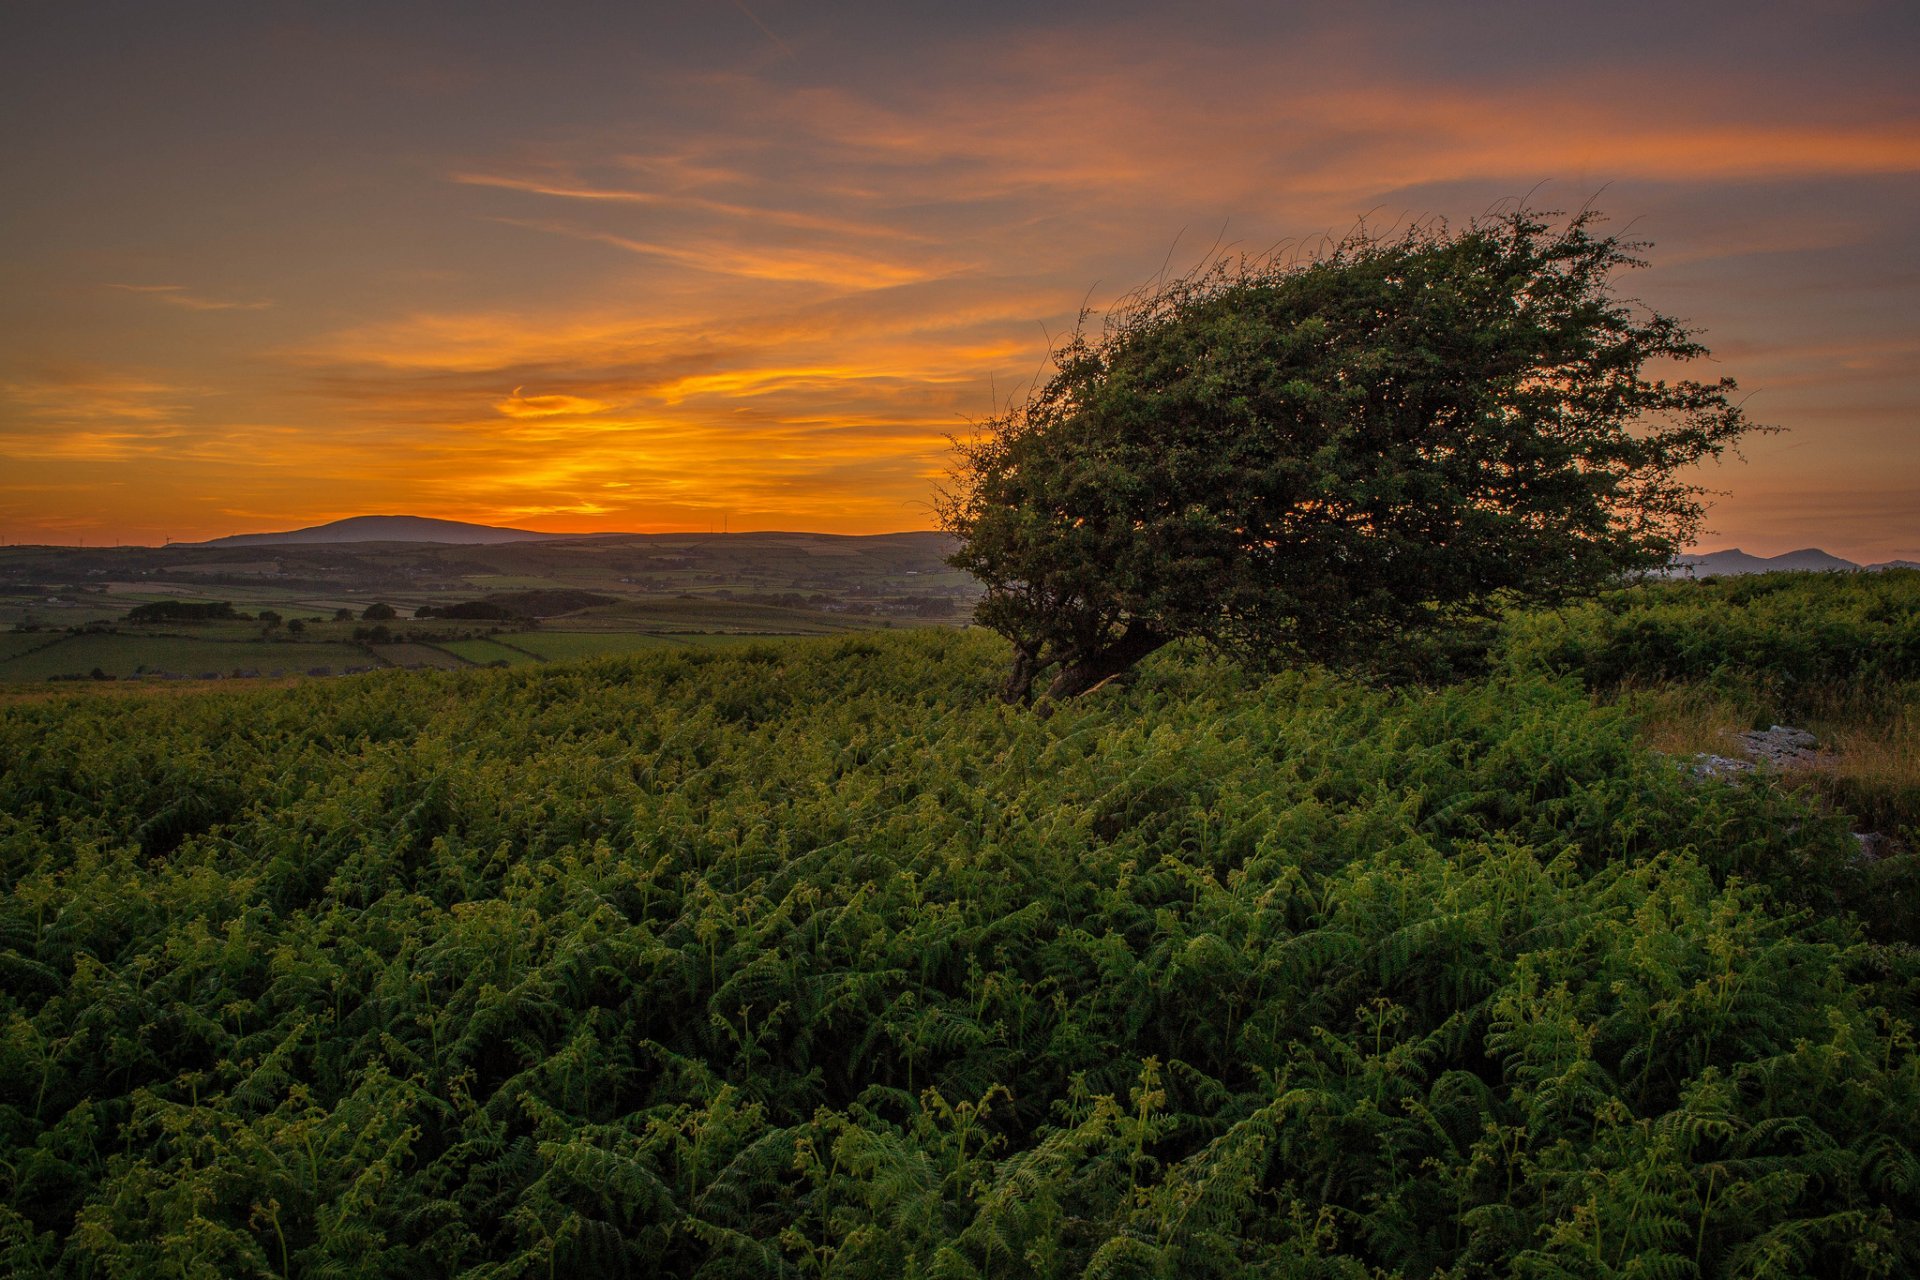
[(1790, 630)]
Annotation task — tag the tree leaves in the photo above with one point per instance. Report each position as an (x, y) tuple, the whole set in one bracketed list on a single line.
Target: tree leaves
[(1351, 458)]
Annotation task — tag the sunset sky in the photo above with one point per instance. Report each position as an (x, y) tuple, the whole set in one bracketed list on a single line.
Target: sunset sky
[(650, 266)]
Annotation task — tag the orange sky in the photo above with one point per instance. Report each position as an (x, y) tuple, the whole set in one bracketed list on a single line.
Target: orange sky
[(659, 266)]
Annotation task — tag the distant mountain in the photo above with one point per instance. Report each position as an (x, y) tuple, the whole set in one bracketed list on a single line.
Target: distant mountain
[(387, 529), (1719, 564), (1893, 564)]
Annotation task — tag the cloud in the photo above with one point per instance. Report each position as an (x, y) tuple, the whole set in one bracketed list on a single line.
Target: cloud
[(89, 394), (788, 218), (756, 261), (176, 295), (549, 406), (88, 415)]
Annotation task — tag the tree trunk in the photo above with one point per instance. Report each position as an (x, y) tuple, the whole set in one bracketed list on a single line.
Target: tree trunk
[(1019, 685), (1091, 670)]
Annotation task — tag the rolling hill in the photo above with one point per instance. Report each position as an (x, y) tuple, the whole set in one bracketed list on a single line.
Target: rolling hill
[(387, 529)]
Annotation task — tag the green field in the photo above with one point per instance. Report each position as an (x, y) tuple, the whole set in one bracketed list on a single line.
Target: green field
[(514, 582), (220, 648), (810, 957), (561, 645), (123, 655), (483, 652), (418, 655), (707, 614), (15, 643), (841, 583)]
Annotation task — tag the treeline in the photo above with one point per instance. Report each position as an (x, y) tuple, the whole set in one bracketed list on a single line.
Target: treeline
[(814, 959), (183, 611)]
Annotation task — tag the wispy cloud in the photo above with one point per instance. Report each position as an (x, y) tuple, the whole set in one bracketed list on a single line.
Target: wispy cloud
[(549, 406), (756, 261), (178, 295), (794, 219), (88, 395)]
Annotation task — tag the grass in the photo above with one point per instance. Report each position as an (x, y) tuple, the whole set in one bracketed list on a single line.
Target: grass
[(484, 652), (1869, 735), (556, 646), (1686, 719), (15, 643), (122, 655), (418, 655), (704, 613), (223, 647), (512, 581)]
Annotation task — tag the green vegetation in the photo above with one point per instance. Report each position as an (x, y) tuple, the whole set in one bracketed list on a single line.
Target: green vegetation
[(15, 643), (417, 655), (1331, 458), (695, 590), (483, 652), (125, 655), (1795, 635), (812, 958), (1699, 662), (561, 645), (518, 604), (182, 611)]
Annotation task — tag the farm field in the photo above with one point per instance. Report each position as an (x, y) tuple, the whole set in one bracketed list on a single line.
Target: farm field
[(483, 652), (417, 655), (223, 648), (609, 595), (562, 645), (711, 615), (838, 581), (122, 656), (808, 955), (15, 643)]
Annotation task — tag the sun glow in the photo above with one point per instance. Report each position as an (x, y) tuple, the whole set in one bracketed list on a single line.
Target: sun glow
[(777, 287)]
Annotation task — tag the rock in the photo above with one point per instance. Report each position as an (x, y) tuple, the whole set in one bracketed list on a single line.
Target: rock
[(1706, 766), (1782, 747)]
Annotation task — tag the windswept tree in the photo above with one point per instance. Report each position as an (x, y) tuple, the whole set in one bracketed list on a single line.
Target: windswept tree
[(1321, 459)]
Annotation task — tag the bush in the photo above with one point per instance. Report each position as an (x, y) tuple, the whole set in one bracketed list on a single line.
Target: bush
[(815, 958), (182, 611)]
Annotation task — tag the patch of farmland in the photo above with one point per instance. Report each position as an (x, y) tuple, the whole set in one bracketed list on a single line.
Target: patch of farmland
[(485, 652), (559, 646), (700, 613), (417, 655), (15, 643), (123, 655), (513, 581)]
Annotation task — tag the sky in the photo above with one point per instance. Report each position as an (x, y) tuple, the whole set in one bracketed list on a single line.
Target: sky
[(669, 266)]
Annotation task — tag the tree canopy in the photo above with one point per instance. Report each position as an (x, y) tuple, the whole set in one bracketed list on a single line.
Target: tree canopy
[(1319, 459)]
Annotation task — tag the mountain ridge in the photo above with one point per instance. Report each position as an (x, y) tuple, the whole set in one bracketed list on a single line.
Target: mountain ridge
[(387, 528), (431, 530), (1734, 562)]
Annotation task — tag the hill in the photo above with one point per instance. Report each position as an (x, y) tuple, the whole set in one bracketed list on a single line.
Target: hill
[(1727, 563), (385, 529)]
